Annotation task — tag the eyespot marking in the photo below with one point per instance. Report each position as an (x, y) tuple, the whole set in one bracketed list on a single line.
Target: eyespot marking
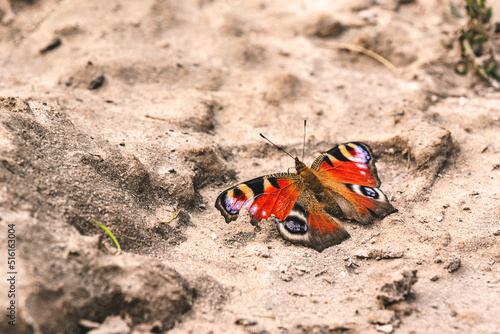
[(369, 192)]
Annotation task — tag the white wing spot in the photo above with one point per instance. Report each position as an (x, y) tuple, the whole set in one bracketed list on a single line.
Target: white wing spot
[(362, 166), (360, 156)]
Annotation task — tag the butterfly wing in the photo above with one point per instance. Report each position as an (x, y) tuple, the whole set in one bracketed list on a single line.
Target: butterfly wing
[(348, 173), (308, 224), (264, 196), (301, 218)]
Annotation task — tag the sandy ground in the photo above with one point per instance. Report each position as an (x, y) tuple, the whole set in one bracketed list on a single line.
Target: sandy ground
[(138, 109)]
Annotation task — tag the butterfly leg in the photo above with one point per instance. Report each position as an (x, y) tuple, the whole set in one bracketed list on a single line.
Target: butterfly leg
[(254, 222)]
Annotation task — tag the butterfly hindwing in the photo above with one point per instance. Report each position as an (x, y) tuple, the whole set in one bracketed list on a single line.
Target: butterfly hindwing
[(348, 172), (264, 196), (308, 224)]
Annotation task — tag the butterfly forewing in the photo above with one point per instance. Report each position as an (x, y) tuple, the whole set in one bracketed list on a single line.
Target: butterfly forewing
[(348, 171), (351, 163), (273, 194)]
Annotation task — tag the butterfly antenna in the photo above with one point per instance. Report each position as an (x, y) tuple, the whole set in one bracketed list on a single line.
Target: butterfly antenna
[(279, 148), (304, 145)]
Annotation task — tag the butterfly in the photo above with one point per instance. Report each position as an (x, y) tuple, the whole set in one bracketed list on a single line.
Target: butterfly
[(342, 184)]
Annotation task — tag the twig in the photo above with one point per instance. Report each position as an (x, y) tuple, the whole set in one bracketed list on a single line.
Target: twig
[(155, 117), (360, 49), (172, 217)]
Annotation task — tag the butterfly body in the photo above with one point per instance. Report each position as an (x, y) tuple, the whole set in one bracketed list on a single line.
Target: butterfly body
[(342, 184)]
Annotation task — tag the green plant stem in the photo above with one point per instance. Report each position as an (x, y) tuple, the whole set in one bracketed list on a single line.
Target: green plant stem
[(469, 53), (109, 233)]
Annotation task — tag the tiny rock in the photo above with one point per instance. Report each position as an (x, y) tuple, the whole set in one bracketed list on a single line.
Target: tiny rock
[(264, 252), (301, 270), (246, 322), (379, 254), (422, 220), (398, 287), (286, 277), (362, 254), (452, 264), (385, 328), (56, 42), (96, 82)]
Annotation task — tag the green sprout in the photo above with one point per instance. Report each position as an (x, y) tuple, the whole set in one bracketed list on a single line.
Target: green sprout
[(109, 233), (476, 48), (250, 238)]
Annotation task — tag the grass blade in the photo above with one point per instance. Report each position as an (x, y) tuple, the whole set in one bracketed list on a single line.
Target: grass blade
[(109, 233)]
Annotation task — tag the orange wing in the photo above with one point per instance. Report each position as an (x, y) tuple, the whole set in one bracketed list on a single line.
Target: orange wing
[(348, 172), (350, 163), (264, 196)]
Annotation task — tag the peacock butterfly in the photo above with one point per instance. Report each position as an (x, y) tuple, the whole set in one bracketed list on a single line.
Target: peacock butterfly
[(342, 184)]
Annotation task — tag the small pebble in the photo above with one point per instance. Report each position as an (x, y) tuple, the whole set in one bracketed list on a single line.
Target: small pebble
[(301, 270), (286, 277), (97, 82), (453, 264), (385, 328), (56, 42), (246, 322), (264, 252)]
